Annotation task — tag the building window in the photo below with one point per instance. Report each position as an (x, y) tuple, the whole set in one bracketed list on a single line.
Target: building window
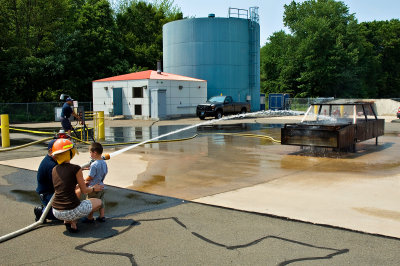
[(138, 109), (137, 92)]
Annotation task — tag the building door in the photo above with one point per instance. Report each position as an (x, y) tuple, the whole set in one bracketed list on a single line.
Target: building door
[(117, 101), (158, 103), (162, 103)]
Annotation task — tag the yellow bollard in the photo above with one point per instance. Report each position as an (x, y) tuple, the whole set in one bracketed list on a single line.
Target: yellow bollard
[(5, 131), (341, 111), (100, 127), (315, 110)]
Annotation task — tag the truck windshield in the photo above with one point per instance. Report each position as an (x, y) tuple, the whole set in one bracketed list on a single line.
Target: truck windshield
[(217, 99)]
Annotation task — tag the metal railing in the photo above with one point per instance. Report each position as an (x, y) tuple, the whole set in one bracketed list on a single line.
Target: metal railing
[(238, 13)]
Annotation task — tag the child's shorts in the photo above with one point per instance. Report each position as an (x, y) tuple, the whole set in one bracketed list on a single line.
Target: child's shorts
[(97, 195)]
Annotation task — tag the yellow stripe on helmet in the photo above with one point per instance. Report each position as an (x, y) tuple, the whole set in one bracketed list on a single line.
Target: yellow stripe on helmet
[(68, 146)]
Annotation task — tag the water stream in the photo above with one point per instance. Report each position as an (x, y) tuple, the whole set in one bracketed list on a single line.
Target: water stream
[(267, 113)]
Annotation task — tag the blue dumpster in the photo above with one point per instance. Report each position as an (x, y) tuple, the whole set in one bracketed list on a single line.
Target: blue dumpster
[(278, 101)]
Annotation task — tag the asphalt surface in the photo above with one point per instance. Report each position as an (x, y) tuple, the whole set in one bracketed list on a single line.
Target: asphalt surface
[(146, 229)]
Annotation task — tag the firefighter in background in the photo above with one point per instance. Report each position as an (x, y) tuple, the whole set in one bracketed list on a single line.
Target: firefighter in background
[(66, 113)]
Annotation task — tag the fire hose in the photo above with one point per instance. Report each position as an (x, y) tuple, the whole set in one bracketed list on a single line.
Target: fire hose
[(44, 214)]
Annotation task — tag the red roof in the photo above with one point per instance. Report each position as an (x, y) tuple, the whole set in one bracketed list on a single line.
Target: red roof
[(148, 74)]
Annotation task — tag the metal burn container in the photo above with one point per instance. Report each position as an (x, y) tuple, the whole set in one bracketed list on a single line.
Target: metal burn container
[(338, 125)]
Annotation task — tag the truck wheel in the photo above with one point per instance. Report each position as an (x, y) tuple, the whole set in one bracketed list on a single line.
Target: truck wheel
[(243, 111), (202, 117), (218, 115)]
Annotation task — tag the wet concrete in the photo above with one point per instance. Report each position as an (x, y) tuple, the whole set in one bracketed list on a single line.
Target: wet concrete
[(218, 167), (146, 229), (221, 169), (19, 185), (213, 163), (208, 164)]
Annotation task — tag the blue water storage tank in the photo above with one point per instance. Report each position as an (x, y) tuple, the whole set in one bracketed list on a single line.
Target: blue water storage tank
[(223, 51)]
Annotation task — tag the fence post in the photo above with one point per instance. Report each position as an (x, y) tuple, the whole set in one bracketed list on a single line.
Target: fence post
[(101, 128), (5, 131)]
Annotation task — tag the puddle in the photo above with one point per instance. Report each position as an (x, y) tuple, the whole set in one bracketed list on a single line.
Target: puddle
[(381, 213), (222, 159), (217, 161), (131, 134), (28, 196)]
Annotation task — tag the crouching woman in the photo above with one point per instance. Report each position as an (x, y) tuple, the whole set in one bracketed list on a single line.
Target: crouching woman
[(68, 182)]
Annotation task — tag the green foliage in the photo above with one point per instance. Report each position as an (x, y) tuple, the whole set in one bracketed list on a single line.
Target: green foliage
[(49, 47), (383, 38), (28, 35), (93, 50), (329, 54), (140, 25)]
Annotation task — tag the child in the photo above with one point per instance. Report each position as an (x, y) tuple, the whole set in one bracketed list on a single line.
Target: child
[(97, 172)]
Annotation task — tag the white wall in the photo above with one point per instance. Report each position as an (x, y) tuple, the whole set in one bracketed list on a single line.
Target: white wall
[(103, 99), (386, 106), (128, 102), (180, 102), (383, 107)]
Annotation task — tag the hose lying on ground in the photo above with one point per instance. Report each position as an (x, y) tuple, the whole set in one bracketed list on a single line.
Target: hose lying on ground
[(136, 142), (32, 131), (82, 141), (26, 145), (39, 222), (46, 210), (248, 135)]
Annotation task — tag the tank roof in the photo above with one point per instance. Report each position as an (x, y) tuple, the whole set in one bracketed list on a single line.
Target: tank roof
[(148, 74)]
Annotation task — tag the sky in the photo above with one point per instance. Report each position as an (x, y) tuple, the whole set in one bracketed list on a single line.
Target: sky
[(271, 11)]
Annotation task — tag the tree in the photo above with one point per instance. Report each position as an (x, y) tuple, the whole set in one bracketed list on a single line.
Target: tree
[(140, 24), (327, 53), (278, 65), (383, 38), (48, 47), (328, 47), (28, 30), (92, 51)]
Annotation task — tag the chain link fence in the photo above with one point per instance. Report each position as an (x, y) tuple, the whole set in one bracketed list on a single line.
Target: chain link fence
[(387, 106), (302, 104), (35, 112), (383, 106)]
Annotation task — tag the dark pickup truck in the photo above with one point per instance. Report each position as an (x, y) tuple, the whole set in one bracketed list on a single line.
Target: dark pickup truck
[(218, 106)]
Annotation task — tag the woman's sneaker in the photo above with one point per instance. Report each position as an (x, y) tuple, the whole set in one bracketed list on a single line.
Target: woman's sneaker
[(38, 213)]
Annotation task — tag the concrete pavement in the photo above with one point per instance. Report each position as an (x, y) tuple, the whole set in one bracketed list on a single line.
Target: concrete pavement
[(149, 230)]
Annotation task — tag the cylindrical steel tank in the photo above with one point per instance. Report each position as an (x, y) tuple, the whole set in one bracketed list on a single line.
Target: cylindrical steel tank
[(223, 51)]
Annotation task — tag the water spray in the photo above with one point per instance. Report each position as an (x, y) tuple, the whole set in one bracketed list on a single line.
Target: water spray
[(109, 156), (256, 114)]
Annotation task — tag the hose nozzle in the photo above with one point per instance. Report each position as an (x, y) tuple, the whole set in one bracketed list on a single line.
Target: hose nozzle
[(106, 156)]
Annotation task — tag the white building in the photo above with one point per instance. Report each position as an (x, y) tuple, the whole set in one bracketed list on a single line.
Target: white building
[(149, 95)]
